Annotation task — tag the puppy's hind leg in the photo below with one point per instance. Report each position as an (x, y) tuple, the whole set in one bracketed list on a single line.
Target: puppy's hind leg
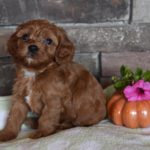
[(47, 124)]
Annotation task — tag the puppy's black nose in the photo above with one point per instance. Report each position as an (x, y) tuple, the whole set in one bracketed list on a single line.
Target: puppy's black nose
[(32, 49)]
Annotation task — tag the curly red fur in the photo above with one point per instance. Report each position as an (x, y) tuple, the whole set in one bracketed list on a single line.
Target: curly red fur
[(61, 92)]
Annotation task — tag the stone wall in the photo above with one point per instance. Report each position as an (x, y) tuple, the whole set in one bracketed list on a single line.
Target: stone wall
[(106, 33), (64, 11)]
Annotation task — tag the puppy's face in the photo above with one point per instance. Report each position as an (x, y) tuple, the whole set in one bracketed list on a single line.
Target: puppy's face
[(38, 43)]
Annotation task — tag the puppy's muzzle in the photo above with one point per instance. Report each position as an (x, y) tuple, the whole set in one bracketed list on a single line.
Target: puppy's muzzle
[(32, 50)]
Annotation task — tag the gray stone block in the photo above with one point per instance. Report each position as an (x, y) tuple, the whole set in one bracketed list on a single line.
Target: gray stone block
[(4, 35), (106, 81), (90, 61), (64, 11), (111, 62), (88, 38), (7, 75), (141, 11), (134, 37)]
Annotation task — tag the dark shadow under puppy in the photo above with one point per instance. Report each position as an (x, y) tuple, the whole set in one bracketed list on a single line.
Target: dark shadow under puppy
[(61, 92)]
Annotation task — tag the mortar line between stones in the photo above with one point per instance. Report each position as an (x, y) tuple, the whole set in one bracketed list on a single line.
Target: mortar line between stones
[(131, 12), (99, 66)]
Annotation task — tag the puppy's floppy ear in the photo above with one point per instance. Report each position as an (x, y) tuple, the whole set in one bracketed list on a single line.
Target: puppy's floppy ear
[(65, 49), (12, 41)]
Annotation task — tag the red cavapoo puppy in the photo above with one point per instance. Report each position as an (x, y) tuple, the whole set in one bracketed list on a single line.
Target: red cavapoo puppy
[(61, 92)]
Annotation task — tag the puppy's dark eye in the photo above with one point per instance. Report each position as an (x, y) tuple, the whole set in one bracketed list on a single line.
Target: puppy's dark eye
[(47, 41), (25, 37)]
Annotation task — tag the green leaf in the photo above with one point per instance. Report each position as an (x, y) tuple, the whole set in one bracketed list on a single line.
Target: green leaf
[(127, 77), (146, 75), (128, 73), (114, 78), (120, 84), (123, 71), (137, 77), (139, 72)]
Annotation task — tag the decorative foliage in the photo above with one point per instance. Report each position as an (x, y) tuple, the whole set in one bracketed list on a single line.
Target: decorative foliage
[(128, 77)]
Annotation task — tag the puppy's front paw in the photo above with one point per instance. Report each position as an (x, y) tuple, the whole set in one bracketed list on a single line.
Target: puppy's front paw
[(7, 135), (35, 135), (41, 133)]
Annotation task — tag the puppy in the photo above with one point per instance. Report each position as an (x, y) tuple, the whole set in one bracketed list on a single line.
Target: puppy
[(61, 92)]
